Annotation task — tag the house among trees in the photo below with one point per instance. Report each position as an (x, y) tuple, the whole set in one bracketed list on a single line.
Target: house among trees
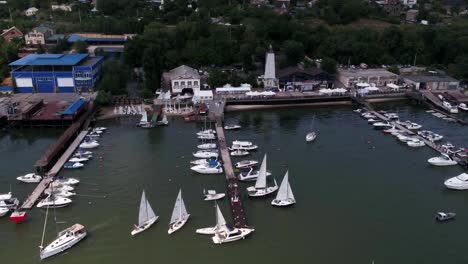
[(61, 7), (32, 11), (12, 33), (39, 35), (292, 78), (182, 80)]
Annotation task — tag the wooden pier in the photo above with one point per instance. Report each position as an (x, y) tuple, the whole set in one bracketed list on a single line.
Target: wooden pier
[(237, 208)]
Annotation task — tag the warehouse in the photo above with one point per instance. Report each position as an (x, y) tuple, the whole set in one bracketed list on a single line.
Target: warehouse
[(51, 73)]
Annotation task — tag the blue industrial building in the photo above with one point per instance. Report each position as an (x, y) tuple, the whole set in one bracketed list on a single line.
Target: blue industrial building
[(56, 73)]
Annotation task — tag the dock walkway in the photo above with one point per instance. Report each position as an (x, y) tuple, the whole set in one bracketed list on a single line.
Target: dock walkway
[(237, 208), (32, 198)]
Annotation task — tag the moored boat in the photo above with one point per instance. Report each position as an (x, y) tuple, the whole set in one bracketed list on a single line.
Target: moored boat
[(30, 178), (459, 182), (212, 195), (246, 163), (239, 153), (442, 160), (260, 188)]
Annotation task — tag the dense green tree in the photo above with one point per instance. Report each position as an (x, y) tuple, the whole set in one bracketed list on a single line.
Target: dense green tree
[(80, 46), (329, 65), (294, 51)]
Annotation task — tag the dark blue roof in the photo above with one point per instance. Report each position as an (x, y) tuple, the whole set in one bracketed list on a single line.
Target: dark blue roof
[(50, 60), (96, 38), (6, 88), (71, 110)]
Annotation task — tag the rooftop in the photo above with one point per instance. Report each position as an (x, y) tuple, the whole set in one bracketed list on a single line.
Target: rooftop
[(366, 72), (49, 60), (183, 72), (430, 78), (98, 37)]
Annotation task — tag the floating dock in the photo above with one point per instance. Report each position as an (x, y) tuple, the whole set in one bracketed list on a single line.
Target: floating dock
[(237, 208)]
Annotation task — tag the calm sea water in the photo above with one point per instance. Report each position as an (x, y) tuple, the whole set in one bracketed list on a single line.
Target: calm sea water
[(361, 195)]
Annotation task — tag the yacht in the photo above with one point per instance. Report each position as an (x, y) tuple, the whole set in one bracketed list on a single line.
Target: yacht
[(5, 196), (30, 178), (260, 188), (207, 136), (372, 120), (382, 125), (232, 127), (450, 108), (4, 211), (146, 216), (82, 152), (59, 192), (463, 107), (391, 130), (78, 159), (246, 163), (65, 240), (206, 132), (443, 160), (459, 182), (53, 201), (229, 233), (205, 154), (442, 216), (212, 195), (89, 144), (56, 185), (240, 143), (249, 174), (210, 168), (391, 116), (199, 161), (414, 126), (369, 116), (73, 165), (11, 203), (416, 143), (239, 153), (207, 146), (220, 221), (67, 181)]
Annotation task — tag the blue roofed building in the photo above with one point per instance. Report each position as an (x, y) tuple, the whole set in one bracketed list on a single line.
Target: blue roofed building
[(100, 39), (56, 73)]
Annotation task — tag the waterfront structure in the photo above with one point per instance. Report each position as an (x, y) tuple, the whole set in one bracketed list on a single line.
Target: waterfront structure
[(39, 35), (432, 82), (379, 77), (269, 80), (12, 33), (181, 80), (49, 73), (201, 96), (32, 11), (292, 78), (228, 89)]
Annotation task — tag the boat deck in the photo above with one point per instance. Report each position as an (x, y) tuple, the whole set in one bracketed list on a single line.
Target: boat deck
[(237, 208)]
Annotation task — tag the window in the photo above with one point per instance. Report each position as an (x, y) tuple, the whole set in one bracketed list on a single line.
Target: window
[(182, 84), (189, 83), (195, 83), (176, 84)]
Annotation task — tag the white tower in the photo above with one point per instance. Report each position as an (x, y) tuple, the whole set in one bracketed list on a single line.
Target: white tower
[(269, 77)]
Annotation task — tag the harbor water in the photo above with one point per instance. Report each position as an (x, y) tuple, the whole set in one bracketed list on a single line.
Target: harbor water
[(361, 195)]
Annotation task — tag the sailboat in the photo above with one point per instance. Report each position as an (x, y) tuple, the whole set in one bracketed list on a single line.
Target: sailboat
[(144, 119), (220, 221), (285, 196), (311, 135), (179, 215), (146, 216), (260, 188), (163, 121), (224, 233)]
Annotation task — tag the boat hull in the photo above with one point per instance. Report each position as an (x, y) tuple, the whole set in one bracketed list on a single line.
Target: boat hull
[(177, 225), (207, 230), (49, 253), (146, 226), (244, 232), (214, 197), (261, 192), (283, 203)]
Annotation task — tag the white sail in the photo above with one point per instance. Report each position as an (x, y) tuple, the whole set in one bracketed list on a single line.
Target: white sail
[(179, 211), (284, 189), (144, 117), (220, 221), (290, 193), (164, 119), (261, 179), (146, 212)]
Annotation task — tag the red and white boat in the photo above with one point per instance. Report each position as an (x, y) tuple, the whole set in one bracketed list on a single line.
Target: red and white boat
[(18, 216)]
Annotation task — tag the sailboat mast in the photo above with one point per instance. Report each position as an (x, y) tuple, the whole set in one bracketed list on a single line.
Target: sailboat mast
[(44, 229)]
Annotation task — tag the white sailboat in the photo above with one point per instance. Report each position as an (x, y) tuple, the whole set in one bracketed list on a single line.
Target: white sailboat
[(261, 188), (146, 216), (220, 222), (285, 196), (144, 119), (163, 121), (312, 134), (224, 233), (179, 215)]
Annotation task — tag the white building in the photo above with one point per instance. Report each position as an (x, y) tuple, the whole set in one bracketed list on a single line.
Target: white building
[(201, 96), (32, 11), (62, 7), (228, 89), (409, 3), (269, 77), (182, 79), (38, 35)]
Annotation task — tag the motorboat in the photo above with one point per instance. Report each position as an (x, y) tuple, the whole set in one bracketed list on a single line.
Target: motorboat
[(311, 136), (211, 195), (416, 143), (285, 196), (260, 188), (229, 233), (82, 152), (210, 168), (414, 126), (369, 116), (206, 154), (239, 153), (146, 216), (450, 108), (100, 129), (442, 216), (65, 240), (4, 211), (59, 192), (359, 110), (443, 160), (67, 181), (391, 116), (207, 136), (59, 186), (5, 196), (18, 216), (447, 145), (463, 107), (242, 144), (73, 165), (11, 203), (391, 130), (232, 127), (78, 159), (372, 120), (89, 144), (179, 215), (207, 146), (249, 174), (199, 161), (206, 132), (53, 201), (431, 136), (30, 178), (382, 125), (405, 138), (246, 163), (459, 182)]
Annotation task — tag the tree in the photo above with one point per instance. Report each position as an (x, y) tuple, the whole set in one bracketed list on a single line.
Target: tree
[(80, 47), (329, 65), (294, 51), (394, 69), (217, 78), (103, 98)]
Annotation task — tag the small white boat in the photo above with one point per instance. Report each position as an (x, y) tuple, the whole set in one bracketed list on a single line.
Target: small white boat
[(311, 136), (248, 148), (372, 121), (205, 154), (163, 121), (232, 127), (10, 204), (73, 165), (391, 116), (208, 168), (285, 196), (179, 215), (85, 153), (415, 143), (89, 144), (207, 146), (65, 240), (240, 143), (146, 216), (443, 160), (100, 128), (260, 188), (359, 110), (450, 108), (59, 186), (30, 178), (229, 233), (459, 182), (67, 181), (59, 192), (207, 136), (78, 159), (463, 107), (211, 195), (5, 196), (239, 153), (53, 201), (249, 174), (382, 125), (246, 163), (206, 132), (4, 211), (199, 161), (369, 116)]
